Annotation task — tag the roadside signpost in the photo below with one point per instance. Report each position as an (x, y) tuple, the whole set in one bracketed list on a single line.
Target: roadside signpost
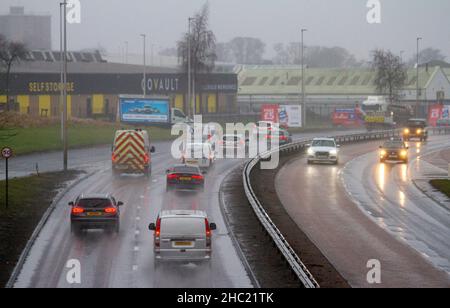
[(6, 154)]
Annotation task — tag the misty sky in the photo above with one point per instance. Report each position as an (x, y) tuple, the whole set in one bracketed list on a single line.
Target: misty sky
[(109, 23)]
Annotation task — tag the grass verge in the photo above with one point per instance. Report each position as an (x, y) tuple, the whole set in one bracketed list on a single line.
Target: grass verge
[(442, 185), (41, 139), (29, 198)]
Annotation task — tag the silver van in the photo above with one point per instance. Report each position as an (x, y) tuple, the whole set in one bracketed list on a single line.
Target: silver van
[(182, 236)]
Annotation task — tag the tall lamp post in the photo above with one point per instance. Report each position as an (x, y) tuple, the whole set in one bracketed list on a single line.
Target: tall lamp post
[(63, 66), (417, 83), (191, 88), (303, 78), (144, 37)]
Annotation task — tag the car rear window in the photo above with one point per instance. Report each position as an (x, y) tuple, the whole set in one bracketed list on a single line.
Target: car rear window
[(94, 203), (182, 226), (186, 169)]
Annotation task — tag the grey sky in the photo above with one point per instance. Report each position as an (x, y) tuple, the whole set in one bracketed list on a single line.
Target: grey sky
[(109, 23)]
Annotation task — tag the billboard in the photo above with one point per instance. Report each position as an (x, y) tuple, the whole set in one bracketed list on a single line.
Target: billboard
[(144, 111), (285, 115), (437, 112)]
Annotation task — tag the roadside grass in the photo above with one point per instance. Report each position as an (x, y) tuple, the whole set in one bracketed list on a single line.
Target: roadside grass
[(29, 198), (442, 185), (48, 138)]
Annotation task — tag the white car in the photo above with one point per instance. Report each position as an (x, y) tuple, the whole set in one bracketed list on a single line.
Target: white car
[(199, 154), (323, 150)]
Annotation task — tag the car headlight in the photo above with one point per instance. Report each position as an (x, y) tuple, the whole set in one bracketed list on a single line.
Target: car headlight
[(311, 152), (333, 152), (403, 153), (419, 131), (383, 153), (406, 131)]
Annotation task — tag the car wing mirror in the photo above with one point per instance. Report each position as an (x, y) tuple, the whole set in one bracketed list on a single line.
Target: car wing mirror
[(213, 226), (71, 204), (152, 149), (152, 227), (120, 203)]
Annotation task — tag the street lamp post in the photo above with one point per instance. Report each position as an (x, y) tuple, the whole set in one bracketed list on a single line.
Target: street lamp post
[(417, 82), (191, 88), (63, 76), (144, 37), (303, 78)]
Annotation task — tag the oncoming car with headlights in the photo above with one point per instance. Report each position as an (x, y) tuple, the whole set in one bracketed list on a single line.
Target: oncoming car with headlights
[(394, 150), (415, 129), (323, 150)]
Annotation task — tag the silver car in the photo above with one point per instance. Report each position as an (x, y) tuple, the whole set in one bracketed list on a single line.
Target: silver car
[(182, 236)]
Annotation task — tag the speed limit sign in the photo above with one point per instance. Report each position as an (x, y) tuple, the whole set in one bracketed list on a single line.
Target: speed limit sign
[(7, 153)]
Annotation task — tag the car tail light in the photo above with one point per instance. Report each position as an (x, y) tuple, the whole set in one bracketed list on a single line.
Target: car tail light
[(284, 138), (172, 176), (77, 210), (111, 210), (146, 158), (197, 177), (208, 233), (158, 233)]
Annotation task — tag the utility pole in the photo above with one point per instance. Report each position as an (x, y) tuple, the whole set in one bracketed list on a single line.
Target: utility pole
[(145, 68), (190, 79), (417, 83), (126, 52), (303, 79), (64, 87)]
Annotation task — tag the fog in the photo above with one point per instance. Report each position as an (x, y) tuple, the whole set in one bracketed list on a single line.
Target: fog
[(111, 23)]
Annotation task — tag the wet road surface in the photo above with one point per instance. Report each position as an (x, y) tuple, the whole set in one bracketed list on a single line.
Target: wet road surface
[(371, 211)]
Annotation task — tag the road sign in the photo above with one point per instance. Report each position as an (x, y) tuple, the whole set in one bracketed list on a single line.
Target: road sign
[(7, 153)]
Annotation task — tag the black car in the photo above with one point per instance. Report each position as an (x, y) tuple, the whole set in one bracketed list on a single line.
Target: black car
[(394, 150), (185, 177), (95, 212), (415, 129)]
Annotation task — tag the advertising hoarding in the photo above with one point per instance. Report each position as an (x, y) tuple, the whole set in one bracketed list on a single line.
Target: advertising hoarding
[(144, 111)]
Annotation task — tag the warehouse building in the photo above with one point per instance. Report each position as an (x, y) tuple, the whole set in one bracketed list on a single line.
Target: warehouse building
[(326, 89), (94, 86)]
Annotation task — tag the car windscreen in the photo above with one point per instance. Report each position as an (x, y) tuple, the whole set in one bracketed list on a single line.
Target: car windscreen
[(323, 143), (94, 203), (393, 145), (183, 226), (416, 124), (186, 169)]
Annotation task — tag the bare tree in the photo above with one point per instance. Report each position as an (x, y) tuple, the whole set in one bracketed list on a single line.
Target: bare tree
[(10, 53), (390, 75), (202, 42), (247, 50)]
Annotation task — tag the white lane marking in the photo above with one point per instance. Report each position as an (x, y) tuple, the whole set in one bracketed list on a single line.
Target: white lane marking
[(137, 232), (138, 207), (142, 197), (136, 248), (138, 218), (135, 268)]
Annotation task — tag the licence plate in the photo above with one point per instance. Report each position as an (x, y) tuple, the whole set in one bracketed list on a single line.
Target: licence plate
[(185, 179), (95, 214), (192, 162), (182, 244)]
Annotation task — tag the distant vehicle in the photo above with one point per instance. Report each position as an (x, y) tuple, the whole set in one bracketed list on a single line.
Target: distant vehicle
[(199, 154), (415, 129), (263, 127), (184, 236), (323, 150), (131, 152), (394, 150), (284, 137), (348, 118), (185, 177), (95, 212), (381, 114)]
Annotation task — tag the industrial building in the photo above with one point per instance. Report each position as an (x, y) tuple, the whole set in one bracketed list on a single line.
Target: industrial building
[(326, 89), (94, 86)]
